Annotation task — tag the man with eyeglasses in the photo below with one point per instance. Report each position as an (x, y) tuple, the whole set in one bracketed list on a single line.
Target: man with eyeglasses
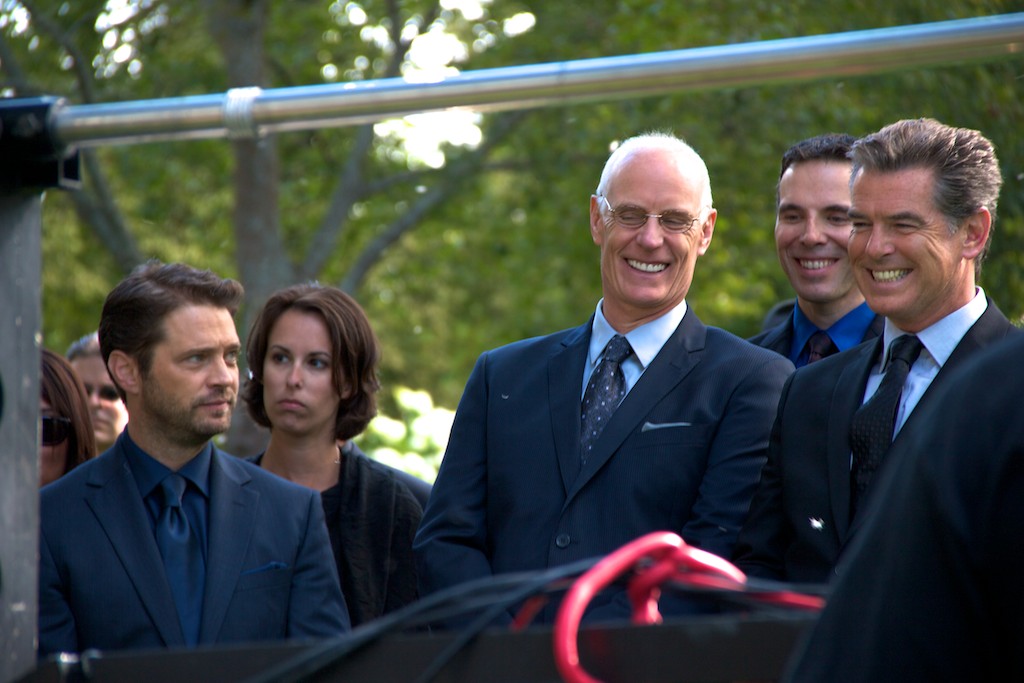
[(568, 446), (109, 415)]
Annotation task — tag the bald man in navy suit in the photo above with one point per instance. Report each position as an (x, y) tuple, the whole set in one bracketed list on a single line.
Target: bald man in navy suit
[(520, 489)]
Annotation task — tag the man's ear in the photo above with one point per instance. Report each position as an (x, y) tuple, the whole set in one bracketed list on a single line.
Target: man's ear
[(597, 221), (124, 369), (976, 231), (707, 230)]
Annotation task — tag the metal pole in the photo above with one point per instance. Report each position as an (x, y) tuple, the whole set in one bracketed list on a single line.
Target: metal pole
[(20, 287), (250, 112), (35, 137)]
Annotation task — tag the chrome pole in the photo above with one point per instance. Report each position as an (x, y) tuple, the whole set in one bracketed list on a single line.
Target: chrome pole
[(251, 112)]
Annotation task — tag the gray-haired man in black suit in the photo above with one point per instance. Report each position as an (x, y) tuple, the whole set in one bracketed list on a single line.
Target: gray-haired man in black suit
[(923, 200)]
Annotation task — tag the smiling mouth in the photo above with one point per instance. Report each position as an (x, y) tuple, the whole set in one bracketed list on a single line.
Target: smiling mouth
[(816, 264), (647, 267), (891, 275)]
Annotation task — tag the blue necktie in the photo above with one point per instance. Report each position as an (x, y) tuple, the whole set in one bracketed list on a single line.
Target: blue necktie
[(183, 558), (604, 392), (871, 429)]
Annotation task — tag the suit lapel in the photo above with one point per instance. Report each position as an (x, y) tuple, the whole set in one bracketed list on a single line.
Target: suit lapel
[(875, 329), (565, 382), (680, 354), (991, 327), (780, 338), (113, 496), (232, 520), (847, 398)]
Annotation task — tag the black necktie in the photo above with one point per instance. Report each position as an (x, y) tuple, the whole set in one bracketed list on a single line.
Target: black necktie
[(183, 558), (604, 392), (819, 346), (871, 429)]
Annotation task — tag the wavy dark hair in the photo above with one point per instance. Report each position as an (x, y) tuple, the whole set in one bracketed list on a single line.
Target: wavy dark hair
[(134, 311), (63, 390), (355, 353)]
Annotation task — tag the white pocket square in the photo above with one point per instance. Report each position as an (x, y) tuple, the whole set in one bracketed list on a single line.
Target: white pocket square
[(650, 426)]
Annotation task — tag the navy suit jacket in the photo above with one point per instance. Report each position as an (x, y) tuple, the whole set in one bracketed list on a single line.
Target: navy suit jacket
[(682, 453), (800, 517), (780, 338), (269, 571)]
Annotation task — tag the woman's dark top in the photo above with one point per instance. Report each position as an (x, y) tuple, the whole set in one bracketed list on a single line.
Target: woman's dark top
[(371, 520)]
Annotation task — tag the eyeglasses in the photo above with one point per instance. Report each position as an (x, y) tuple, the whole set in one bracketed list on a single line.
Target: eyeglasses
[(634, 217), (107, 392), (55, 429)]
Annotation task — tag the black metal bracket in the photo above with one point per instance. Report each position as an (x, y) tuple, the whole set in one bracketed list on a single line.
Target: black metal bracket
[(30, 157)]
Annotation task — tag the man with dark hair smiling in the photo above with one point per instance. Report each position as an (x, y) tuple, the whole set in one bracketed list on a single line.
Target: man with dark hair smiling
[(812, 230), (923, 200)]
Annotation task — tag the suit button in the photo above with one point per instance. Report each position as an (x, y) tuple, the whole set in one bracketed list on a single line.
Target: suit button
[(562, 540)]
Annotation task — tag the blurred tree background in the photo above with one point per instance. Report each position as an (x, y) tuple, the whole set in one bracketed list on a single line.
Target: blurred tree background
[(469, 233)]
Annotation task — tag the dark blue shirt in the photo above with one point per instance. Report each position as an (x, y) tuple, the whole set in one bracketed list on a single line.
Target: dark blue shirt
[(148, 473), (845, 333)]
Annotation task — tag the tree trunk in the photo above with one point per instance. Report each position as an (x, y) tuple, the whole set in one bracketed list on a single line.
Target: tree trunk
[(239, 27)]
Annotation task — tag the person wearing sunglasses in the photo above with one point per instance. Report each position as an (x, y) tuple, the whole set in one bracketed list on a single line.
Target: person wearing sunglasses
[(109, 415), (66, 434)]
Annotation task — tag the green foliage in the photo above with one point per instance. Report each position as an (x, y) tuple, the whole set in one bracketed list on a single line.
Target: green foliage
[(414, 440), (508, 254)]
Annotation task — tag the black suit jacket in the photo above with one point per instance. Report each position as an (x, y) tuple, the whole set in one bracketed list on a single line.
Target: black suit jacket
[(780, 338), (682, 453), (800, 519), (930, 589), (269, 570)]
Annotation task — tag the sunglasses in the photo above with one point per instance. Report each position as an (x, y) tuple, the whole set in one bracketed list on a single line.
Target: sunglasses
[(55, 430), (107, 392)]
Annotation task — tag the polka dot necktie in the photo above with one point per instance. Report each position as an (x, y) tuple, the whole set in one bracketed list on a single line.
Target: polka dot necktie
[(871, 430), (819, 346), (604, 392)]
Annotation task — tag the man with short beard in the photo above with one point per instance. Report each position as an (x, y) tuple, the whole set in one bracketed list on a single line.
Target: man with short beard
[(165, 540)]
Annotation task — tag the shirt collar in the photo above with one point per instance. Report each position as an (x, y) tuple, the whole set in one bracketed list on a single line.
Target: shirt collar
[(646, 340), (942, 337), (845, 333), (149, 472)]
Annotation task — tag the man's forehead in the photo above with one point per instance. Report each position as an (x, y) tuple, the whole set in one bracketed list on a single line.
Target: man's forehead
[(199, 325), (639, 181), (913, 174), (813, 166)]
